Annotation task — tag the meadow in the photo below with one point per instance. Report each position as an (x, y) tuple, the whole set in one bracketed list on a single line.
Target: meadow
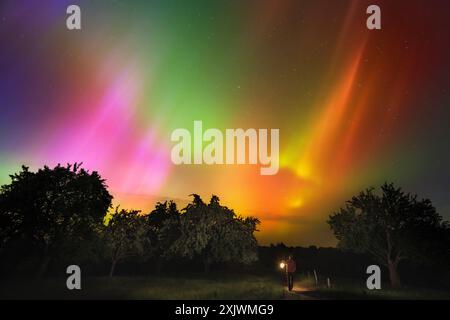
[(164, 287), (208, 287), (355, 289)]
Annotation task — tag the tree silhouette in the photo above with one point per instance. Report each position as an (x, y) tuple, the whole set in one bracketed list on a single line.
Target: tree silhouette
[(163, 230), (125, 236), (392, 227), (46, 209), (216, 234)]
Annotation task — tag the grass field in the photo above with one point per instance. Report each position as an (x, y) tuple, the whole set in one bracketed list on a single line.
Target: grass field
[(187, 287), (213, 286), (349, 291), (344, 289)]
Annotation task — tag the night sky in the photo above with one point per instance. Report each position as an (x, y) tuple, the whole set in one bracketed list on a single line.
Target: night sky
[(355, 107)]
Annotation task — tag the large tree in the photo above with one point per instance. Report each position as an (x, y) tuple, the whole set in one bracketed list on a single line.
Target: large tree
[(216, 234), (125, 236), (44, 210), (163, 230), (392, 227)]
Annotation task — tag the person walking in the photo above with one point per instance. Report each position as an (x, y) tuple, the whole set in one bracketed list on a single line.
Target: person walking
[(291, 267)]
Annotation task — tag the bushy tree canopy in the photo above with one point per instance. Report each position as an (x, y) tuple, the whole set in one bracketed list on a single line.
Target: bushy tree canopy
[(47, 208), (163, 229), (125, 236), (215, 233)]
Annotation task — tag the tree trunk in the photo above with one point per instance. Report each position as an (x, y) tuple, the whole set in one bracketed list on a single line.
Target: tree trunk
[(113, 266), (43, 266), (159, 265), (393, 275), (206, 265)]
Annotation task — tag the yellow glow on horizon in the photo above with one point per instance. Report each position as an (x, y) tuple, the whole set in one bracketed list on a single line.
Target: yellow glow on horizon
[(297, 203)]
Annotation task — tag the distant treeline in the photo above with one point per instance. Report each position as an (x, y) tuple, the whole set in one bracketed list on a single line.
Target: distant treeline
[(60, 216)]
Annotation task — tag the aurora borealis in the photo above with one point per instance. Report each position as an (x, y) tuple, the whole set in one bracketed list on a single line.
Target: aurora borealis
[(355, 107)]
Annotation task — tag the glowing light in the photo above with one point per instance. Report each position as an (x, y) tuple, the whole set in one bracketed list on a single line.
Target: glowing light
[(297, 203), (110, 98)]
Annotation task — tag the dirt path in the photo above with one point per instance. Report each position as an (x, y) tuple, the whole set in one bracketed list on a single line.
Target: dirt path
[(299, 293)]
